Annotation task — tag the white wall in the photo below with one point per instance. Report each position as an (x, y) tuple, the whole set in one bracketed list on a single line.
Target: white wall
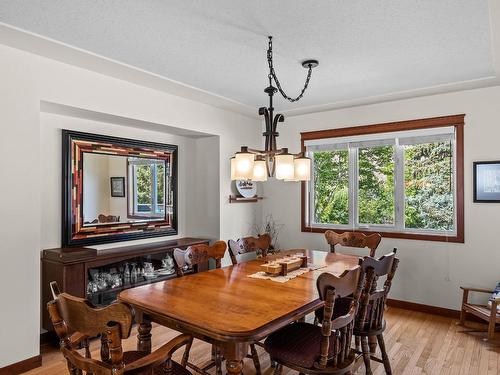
[(96, 190), (27, 80), (117, 167), (429, 272)]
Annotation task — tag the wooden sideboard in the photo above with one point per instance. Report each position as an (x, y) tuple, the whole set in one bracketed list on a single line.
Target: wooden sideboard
[(71, 268)]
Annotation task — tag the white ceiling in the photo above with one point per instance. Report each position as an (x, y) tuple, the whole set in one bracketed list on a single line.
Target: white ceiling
[(366, 48)]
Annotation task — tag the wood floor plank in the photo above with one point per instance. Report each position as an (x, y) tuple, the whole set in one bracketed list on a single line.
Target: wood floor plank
[(417, 344)]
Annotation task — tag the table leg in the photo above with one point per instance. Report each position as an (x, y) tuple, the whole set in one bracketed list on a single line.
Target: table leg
[(234, 354), (144, 334), (234, 366)]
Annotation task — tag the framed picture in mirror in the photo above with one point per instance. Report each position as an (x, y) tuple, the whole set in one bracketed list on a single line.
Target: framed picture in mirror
[(117, 187), (100, 205)]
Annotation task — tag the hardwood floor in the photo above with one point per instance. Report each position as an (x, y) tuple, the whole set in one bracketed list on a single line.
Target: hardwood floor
[(417, 343)]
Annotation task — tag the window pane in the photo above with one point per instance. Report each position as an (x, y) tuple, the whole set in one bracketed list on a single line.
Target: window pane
[(429, 186), (144, 188), (160, 187), (376, 185), (331, 184)]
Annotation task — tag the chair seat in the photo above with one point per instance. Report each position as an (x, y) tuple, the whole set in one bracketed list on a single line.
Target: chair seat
[(298, 344), (481, 311), (131, 356)]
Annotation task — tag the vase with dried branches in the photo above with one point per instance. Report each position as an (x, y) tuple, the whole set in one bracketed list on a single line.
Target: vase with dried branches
[(271, 227)]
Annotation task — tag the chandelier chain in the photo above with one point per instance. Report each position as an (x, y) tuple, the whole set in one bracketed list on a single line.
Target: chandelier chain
[(308, 78), (272, 73)]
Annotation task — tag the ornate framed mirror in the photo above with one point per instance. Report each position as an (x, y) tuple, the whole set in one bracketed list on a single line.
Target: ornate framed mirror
[(117, 189)]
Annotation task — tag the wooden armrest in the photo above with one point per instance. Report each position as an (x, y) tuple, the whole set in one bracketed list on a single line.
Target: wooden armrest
[(88, 365), (161, 354), (480, 290)]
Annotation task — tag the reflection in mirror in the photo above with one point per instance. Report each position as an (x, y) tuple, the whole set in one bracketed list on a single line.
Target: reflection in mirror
[(147, 188), (121, 189)]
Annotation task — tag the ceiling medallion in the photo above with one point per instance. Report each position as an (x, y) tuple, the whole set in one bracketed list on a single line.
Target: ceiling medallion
[(258, 165)]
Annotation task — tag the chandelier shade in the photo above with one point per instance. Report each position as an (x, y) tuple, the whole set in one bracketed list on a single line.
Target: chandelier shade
[(284, 166), (234, 175), (259, 170), (302, 168), (244, 162), (258, 165)]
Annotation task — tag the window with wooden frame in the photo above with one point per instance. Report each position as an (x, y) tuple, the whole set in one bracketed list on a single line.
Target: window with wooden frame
[(402, 179)]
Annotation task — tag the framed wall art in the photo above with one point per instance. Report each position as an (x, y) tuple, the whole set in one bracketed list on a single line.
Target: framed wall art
[(487, 181)]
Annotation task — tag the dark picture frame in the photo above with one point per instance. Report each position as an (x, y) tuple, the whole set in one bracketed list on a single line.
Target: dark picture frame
[(486, 181), (75, 232), (117, 191)]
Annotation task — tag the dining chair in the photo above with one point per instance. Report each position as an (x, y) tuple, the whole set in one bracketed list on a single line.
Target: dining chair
[(353, 239), (370, 322), (75, 320), (237, 250), (193, 257), (247, 245), (310, 349)]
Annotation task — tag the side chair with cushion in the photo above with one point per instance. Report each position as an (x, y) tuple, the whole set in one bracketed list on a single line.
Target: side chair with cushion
[(75, 319), (370, 322), (310, 349), (353, 239)]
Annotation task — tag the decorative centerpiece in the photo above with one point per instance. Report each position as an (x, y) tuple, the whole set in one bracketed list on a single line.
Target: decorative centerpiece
[(281, 266)]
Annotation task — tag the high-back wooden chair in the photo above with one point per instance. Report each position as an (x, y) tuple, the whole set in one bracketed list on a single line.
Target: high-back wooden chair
[(370, 321), (196, 255), (72, 314), (247, 245), (238, 249), (353, 239), (193, 257), (310, 349)]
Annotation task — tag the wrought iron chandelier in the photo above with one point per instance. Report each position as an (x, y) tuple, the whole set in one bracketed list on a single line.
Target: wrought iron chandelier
[(258, 165)]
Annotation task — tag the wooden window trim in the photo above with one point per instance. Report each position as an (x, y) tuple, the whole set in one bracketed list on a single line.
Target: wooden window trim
[(457, 121)]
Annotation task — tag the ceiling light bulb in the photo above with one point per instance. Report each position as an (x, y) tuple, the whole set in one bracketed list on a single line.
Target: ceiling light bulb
[(259, 170), (284, 166), (302, 168)]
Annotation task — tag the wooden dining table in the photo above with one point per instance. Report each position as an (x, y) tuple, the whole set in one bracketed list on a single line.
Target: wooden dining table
[(227, 308)]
